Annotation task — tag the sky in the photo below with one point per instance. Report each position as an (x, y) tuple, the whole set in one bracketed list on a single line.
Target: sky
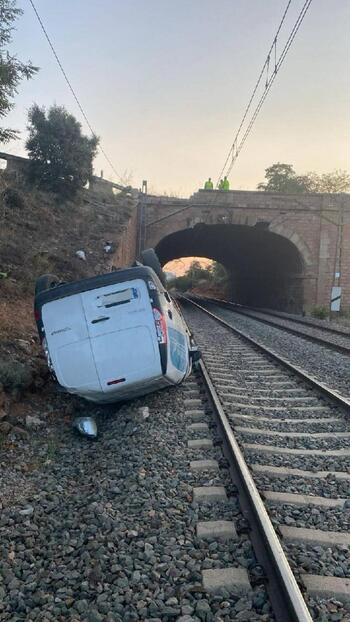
[(165, 83)]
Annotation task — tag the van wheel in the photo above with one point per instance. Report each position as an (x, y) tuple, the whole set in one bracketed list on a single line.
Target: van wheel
[(150, 259), (44, 282)]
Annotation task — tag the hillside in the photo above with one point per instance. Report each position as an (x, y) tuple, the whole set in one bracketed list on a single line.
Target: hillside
[(40, 233)]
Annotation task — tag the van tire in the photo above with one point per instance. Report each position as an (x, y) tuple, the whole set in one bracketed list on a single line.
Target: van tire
[(150, 259), (46, 281)]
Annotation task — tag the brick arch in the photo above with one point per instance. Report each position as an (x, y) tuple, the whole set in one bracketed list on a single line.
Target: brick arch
[(294, 238), (308, 223), (266, 268)]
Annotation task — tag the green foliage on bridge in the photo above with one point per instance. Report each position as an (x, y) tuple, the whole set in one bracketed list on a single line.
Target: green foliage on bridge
[(282, 178)]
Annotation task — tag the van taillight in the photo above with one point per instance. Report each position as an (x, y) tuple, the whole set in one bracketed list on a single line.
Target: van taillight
[(37, 316), (160, 325)]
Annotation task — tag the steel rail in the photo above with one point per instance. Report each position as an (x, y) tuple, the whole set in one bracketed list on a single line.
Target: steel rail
[(285, 316), (294, 331), (322, 388), (285, 595)]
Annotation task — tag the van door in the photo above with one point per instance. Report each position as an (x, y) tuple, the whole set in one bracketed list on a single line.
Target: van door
[(69, 344), (123, 336)]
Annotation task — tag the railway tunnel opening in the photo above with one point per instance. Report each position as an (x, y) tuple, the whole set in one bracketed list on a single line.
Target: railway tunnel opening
[(266, 269)]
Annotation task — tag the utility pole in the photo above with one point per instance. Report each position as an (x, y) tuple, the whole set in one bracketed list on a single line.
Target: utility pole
[(335, 301)]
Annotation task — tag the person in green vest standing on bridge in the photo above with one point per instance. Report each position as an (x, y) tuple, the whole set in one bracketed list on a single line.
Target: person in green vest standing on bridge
[(208, 184), (225, 184)]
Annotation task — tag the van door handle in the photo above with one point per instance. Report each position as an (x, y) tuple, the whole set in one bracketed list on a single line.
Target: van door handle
[(100, 319)]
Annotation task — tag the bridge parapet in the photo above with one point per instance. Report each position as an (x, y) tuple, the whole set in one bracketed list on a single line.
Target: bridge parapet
[(243, 199)]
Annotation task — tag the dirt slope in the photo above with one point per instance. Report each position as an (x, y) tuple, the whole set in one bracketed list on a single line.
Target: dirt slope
[(40, 233)]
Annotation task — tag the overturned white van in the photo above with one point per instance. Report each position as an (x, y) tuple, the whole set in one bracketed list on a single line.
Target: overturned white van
[(115, 336)]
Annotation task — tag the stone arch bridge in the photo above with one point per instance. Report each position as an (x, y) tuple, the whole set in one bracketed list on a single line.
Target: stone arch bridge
[(283, 251)]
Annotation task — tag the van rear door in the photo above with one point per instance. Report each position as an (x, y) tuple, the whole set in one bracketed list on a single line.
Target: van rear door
[(69, 344), (123, 336)]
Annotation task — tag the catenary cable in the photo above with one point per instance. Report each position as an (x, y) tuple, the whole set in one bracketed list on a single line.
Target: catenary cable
[(236, 148), (265, 65)]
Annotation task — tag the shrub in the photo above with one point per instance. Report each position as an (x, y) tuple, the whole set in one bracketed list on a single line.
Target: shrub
[(15, 375), (319, 312), (12, 198)]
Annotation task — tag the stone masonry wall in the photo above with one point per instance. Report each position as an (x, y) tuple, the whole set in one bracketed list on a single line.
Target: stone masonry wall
[(317, 224)]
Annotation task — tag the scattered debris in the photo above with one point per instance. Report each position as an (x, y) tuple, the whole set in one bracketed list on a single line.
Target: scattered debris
[(81, 255), (108, 247), (144, 412), (32, 421), (86, 426), (27, 511)]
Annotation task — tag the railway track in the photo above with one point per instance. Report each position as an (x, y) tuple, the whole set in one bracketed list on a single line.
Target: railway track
[(327, 336), (287, 436)]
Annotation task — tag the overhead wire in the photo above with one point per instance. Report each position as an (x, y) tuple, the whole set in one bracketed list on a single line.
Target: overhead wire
[(236, 148), (72, 89), (267, 60)]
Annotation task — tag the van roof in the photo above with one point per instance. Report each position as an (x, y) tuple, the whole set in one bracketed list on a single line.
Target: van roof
[(94, 282)]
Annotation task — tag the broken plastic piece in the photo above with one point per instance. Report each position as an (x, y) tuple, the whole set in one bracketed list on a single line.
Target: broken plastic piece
[(86, 426), (81, 255)]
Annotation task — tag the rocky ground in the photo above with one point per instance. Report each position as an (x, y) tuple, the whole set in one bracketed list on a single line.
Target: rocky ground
[(105, 531), (227, 360)]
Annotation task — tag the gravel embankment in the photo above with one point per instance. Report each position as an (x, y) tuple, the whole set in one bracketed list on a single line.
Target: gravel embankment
[(105, 531), (305, 428), (307, 330), (328, 366), (330, 519), (296, 443), (330, 487), (305, 462), (319, 560)]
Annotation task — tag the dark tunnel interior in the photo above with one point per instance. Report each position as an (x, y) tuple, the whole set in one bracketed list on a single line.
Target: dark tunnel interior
[(266, 269)]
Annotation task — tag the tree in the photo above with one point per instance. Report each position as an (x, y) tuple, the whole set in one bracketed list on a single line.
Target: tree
[(219, 273), (334, 182), (12, 70), (60, 156), (282, 178), (196, 272), (213, 274)]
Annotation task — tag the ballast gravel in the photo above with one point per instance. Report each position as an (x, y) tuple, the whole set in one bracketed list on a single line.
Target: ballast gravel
[(106, 531), (312, 331), (294, 442), (305, 428), (326, 365), (319, 560), (304, 462), (331, 488), (310, 517)]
